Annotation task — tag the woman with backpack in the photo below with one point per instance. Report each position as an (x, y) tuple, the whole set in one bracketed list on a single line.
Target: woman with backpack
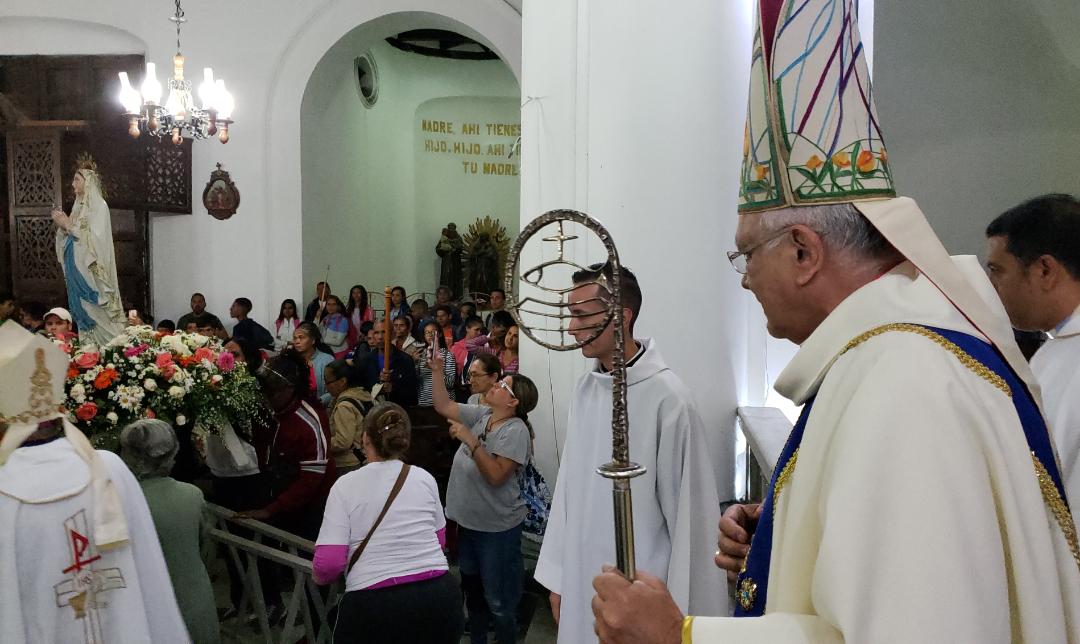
[(348, 407), (485, 497)]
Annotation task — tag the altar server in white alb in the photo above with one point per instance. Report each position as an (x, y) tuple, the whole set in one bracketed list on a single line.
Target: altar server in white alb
[(80, 562), (1033, 258), (919, 497), (675, 502)]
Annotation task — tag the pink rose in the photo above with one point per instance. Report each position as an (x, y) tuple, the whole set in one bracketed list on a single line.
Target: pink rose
[(87, 360), (204, 353), (168, 371), (226, 361), (163, 360), (86, 411)]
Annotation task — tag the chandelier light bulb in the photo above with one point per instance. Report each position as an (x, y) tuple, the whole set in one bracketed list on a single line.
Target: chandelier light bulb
[(175, 105), (223, 133), (176, 138), (224, 101), (151, 87), (208, 90), (129, 98)]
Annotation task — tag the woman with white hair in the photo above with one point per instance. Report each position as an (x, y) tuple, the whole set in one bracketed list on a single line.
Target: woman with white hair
[(84, 247), (149, 448)]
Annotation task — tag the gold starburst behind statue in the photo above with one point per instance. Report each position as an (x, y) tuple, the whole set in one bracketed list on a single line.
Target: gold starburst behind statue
[(486, 247)]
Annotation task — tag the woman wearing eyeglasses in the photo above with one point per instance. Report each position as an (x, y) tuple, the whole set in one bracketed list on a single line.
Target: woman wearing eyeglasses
[(484, 497), (484, 372), (351, 402)]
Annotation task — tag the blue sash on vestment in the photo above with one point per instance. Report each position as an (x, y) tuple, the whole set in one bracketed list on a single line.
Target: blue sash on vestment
[(78, 290), (753, 583)]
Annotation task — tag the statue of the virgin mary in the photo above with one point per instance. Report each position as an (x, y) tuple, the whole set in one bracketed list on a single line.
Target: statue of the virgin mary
[(84, 246)]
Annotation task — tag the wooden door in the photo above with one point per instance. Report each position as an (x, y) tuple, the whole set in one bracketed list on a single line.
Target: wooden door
[(33, 189)]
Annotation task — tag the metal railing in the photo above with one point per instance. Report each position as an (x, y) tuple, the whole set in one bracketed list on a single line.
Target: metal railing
[(283, 549)]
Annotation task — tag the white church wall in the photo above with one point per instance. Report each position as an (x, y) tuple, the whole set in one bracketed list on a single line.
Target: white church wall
[(979, 107), (373, 200), (266, 53), (636, 118), (28, 36)]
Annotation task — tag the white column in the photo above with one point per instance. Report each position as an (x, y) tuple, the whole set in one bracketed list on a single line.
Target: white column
[(633, 112)]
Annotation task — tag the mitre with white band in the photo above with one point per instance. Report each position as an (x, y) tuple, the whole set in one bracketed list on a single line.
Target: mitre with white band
[(32, 370)]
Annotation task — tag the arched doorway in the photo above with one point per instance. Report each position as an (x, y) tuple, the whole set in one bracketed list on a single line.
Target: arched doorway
[(494, 23), (407, 126)]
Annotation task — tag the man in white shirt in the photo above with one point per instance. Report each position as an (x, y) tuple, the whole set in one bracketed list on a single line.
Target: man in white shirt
[(1033, 258), (675, 502)]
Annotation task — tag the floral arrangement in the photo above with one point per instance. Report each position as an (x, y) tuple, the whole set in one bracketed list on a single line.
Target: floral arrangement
[(180, 378)]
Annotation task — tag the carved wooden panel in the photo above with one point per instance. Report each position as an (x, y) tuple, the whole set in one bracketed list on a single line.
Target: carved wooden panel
[(6, 277), (131, 242), (35, 246), (120, 166), (168, 176), (33, 162), (66, 89)]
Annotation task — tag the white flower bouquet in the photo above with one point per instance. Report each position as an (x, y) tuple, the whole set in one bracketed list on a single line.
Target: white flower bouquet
[(176, 377)]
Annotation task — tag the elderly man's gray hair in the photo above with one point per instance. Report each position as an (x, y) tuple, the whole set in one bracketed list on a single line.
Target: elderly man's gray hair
[(841, 226), (149, 448)]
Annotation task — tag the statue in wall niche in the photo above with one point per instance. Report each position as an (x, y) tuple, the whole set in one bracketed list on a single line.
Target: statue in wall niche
[(486, 247), (450, 248)]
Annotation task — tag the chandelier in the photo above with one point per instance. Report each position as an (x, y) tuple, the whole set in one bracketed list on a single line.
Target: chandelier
[(179, 116)]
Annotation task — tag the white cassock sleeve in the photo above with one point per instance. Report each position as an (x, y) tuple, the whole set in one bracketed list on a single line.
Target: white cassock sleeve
[(686, 490), (159, 600), (908, 546)]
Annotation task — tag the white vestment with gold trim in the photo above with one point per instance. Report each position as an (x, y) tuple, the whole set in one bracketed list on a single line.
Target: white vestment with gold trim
[(56, 584), (913, 513)]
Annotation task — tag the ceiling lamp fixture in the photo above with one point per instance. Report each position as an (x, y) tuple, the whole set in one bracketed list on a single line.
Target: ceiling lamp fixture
[(179, 116)]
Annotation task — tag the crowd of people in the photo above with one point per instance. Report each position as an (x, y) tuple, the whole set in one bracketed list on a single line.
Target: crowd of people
[(330, 464), (339, 406)]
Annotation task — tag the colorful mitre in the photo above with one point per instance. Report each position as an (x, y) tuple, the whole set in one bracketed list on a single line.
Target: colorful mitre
[(812, 132), (32, 370), (813, 137)]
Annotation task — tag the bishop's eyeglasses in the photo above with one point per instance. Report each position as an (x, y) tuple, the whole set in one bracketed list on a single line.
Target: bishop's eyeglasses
[(741, 258)]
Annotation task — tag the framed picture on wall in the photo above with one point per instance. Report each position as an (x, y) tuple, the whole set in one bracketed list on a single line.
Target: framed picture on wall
[(220, 197)]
